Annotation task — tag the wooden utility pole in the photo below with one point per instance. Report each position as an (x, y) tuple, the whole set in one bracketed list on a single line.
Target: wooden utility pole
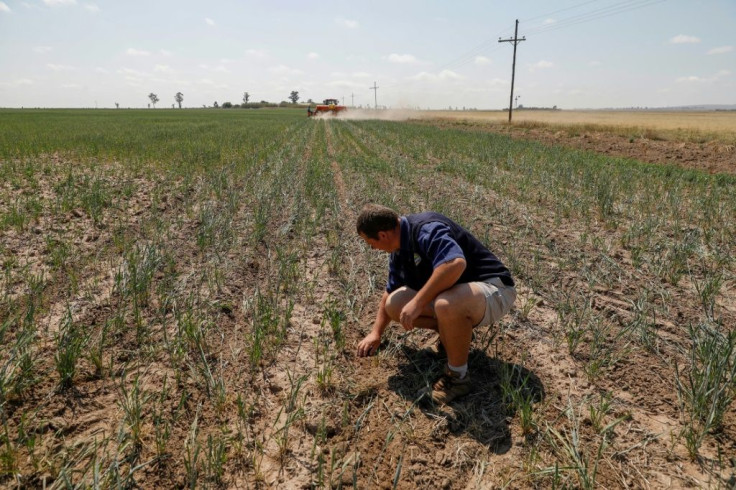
[(516, 40), (375, 95)]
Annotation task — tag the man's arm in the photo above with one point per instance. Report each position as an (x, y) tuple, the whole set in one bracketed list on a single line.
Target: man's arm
[(443, 277), (370, 343)]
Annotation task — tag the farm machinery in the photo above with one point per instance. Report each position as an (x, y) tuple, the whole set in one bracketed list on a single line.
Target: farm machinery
[(328, 106)]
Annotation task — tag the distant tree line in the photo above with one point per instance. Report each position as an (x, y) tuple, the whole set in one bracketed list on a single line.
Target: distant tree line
[(179, 98), (522, 107), (254, 105)]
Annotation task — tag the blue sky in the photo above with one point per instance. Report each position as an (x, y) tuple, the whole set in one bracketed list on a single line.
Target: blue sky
[(427, 54)]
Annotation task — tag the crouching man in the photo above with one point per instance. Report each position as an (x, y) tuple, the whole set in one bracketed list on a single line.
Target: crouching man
[(440, 278)]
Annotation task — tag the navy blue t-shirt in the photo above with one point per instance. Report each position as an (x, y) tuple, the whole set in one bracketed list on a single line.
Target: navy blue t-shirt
[(428, 240)]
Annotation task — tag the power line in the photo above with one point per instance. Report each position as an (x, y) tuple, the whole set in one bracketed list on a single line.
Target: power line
[(516, 40), (468, 55), (607, 11), (375, 95), (589, 16), (579, 18), (601, 13), (558, 11)]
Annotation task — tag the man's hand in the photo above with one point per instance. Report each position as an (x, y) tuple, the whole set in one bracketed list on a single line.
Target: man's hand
[(369, 345), (409, 314), (443, 277)]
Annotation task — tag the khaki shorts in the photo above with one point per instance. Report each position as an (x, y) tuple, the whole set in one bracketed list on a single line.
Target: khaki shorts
[(499, 299)]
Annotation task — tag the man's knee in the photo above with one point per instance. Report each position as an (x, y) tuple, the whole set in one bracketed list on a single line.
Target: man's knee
[(397, 300), (442, 305), (459, 302)]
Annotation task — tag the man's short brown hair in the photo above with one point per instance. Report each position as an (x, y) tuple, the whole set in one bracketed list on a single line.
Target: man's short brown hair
[(374, 218)]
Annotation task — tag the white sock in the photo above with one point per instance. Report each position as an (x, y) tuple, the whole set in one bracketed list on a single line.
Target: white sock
[(461, 370)]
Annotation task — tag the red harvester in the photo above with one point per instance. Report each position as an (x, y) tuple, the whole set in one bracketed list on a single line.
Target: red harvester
[(331, 106)]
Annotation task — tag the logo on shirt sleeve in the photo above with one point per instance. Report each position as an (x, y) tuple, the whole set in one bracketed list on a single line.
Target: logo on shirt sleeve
[(417, 259)]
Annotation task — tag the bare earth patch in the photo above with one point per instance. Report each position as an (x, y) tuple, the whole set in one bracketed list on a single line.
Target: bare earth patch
[(712, 157), (644, 143)]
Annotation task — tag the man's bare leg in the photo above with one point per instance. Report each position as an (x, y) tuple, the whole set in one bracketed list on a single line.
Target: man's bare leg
[(458, 309), (455, 313)]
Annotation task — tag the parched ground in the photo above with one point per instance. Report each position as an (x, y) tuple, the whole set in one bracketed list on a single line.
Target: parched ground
[(174, 394), (486, 440), (710, 156)]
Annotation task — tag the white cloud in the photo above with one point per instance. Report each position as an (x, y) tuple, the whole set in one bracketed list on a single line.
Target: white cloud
[(449, 75), (548, 22), (431, 77), (137, 52), (163, 69), (312, 56), (164, 52), (71, 86), (482, 60), (209, 21), (690, 79), (595, 63), (99, 69), (17, 83), (4, 7), (423, 76), (540, 65), (347, 23), (55, 67), (402, 58), (54, 3), (91, 7), (684, 39), (284, 70), (131, 73), (721, 50), (361, 74), (698, 79), (256, 53), (215, 69), (42, 49)]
